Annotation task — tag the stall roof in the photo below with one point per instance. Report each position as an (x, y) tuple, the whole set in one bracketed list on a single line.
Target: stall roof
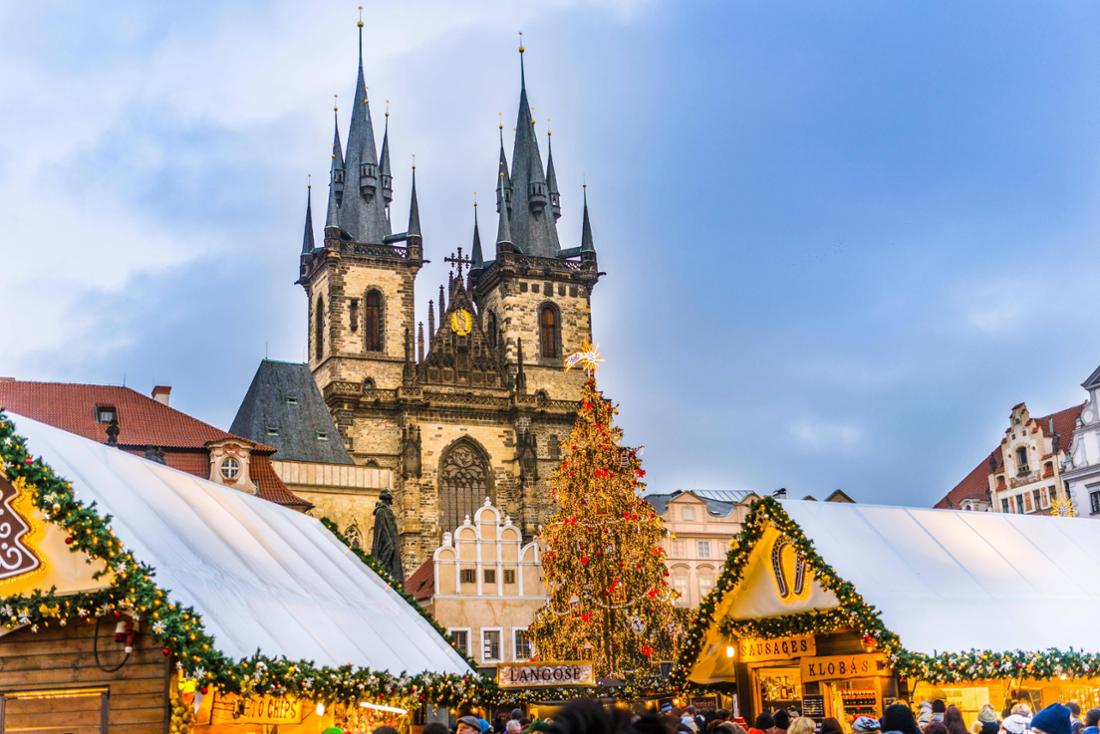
[(262, 577), (948, 580)]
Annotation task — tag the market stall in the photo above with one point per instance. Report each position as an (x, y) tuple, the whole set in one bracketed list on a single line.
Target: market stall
[(133, 594), (840, 609)]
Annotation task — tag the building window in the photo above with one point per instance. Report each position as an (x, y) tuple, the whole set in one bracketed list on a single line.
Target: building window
[(1004, 505), (468, 576), (702, 547), (105, 413), (706, 583), (353, 314), (322, 436), (491, 329), (372, 321), (687, 514), (290, 400), (230, 468), (464, 483), (1035, 498), (490, 645), (490, 575), (1045, 496), (1021, 460), (1048, 469), (272, 431), (368, 384), (549, 331), (509, 576), (554, 448), (1020, 504), (678, 549), (1094, 501), (319, 329), (680, 586), (461, 639), (521, 644)]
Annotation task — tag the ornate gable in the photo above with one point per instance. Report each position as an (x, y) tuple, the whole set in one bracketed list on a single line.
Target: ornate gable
[(460, 353)]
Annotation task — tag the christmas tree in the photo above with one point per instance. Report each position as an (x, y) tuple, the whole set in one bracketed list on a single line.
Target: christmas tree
[(608, 595)]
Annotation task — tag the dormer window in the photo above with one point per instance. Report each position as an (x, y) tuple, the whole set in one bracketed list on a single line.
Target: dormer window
[(291, 400), (105, 414), (230, 469), (368, 177), (322, 436), (338, 176), (272, 431)]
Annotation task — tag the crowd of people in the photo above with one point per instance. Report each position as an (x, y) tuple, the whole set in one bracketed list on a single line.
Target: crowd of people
[(588, 716)]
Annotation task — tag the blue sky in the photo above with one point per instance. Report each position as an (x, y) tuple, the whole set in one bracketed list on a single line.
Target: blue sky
[(841, 239)]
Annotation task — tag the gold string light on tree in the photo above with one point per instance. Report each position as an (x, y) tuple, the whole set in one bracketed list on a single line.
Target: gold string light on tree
[(608, 595)]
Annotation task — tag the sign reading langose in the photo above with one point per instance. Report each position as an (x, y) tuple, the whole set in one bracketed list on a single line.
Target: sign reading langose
[(528, 675)]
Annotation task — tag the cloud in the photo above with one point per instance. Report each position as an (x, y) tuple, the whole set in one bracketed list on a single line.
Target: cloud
[(822, 435)]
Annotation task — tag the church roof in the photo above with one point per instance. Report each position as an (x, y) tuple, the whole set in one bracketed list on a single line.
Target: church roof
[(284, 406)]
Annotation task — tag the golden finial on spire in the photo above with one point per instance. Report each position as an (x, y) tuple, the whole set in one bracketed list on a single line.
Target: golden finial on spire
[(500, 121), (387, 108), (360, 23), (309, 180), (414, 161), (521, 48), (475, 200), (366, 94), (336, 103), (548, 133)]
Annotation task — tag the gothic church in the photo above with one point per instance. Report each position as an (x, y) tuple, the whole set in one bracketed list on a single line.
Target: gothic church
[(477, 406)]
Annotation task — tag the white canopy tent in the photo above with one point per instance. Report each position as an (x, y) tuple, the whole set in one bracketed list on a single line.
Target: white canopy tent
[(948, 580), (261, 576)]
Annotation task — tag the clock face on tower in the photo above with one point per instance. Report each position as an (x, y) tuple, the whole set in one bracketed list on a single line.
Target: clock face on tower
[(462, 322)]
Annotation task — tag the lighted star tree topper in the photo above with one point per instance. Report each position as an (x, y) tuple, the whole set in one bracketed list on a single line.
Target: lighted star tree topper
[(608, 595)]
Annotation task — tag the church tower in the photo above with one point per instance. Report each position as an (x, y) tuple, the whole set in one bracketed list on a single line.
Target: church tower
[(535, 295), (474, 408)]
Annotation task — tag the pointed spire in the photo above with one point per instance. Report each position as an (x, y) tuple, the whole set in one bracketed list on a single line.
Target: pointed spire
[(308, 243), (384, 164), (420, 342), (552, 179), (362, 213), (586, 227), (504, 193), (431, 325), (408, 370), (478, 260), (521, 378), (442, 305), (504, 227), (532, 226), (336, 171), (414, 208)]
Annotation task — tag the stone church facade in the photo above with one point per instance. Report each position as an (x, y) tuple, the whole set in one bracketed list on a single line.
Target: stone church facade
[(477, 406)]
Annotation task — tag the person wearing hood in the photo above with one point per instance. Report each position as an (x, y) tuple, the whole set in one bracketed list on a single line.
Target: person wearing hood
[(898, 719), (1054, 719)]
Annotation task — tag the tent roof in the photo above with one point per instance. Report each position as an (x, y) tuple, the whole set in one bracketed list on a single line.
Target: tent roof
[(1032, 581), (262, 577)]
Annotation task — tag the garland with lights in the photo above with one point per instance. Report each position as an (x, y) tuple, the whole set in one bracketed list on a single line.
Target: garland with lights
[(855, 613), (133, 592)]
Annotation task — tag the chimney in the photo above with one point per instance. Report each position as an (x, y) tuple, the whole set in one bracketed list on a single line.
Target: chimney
[(163, 394)]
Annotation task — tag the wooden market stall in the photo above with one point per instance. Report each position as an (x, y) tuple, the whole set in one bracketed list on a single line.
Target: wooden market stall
[(840, 609), (137, 598)]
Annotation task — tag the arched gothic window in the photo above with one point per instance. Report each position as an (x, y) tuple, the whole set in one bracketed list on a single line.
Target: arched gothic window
[(554, 447), (319, 333), (549, 331), (372, 321), (1021, 460), (464, 483), (354, 536), (491, 330)]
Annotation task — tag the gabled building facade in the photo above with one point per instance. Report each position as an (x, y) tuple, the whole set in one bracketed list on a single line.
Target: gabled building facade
[(477, 405), (1081, 468), (1023, 474)]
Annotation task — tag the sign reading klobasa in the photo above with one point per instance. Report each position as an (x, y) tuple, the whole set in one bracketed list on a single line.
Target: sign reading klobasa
[(527, 675), (833, 667)]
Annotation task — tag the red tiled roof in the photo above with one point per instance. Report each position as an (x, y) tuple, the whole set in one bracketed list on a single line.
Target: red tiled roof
[(421, 584), (975, 485), (270, 487), (142, 422)]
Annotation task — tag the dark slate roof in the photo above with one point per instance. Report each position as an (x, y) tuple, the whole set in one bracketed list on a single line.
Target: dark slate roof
[(284, 397), (719, 502)]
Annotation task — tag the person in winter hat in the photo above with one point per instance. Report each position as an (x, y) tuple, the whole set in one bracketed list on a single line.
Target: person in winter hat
[(865, 725), (1054, 719), (764, 722), (986, 716), (1092, 722)]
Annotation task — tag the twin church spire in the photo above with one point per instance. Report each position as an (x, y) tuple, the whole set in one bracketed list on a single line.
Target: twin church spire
[(528, 200)]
